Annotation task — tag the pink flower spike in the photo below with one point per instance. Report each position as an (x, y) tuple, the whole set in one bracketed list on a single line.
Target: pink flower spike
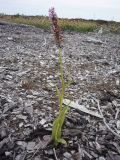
[(52, 13)]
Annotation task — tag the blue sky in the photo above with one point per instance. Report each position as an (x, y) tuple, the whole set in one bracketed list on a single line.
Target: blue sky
[(88, 9)]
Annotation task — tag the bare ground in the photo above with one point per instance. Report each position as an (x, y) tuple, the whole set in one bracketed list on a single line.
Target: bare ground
[(29, 72)]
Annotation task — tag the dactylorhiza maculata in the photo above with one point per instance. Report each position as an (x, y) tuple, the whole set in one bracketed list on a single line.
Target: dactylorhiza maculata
[(52, 13), (55, 27), (58, 122)]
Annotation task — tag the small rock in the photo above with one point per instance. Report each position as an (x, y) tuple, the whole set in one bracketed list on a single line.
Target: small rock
[(67, 155), (30, 146), (3, 100), (73, 152), (21, 117), (94, 155), (45, 125), (3, 133), (49, 152), (35, 93), (51, 84), (47, 138), (117, 82), (42, 122), (114, 102), (30, 96), (37, 158), (21, 143), (50, 77), (27, 131), (6, 108), (29, 110), (21, 124), (10, 38), (118, 124), (9, 77), (18, 157), (7, 153), (101, 158)]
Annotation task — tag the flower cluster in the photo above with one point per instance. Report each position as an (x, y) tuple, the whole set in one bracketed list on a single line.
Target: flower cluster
[(55, 26), (52, 13)]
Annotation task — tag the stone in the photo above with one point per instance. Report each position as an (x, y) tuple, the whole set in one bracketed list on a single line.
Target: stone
[(67, 155), (22, 143), (30, 146), (21, 117), (43, 121)]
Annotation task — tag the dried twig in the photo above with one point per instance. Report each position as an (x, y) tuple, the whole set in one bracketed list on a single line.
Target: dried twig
[(80, 152), (44, 44), (98, 104), (117, 112), (40, 145), (4, 141), (87, 154), (54, 151), (35, 152)]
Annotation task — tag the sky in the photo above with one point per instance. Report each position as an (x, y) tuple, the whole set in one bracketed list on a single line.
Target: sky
[(87, 9)]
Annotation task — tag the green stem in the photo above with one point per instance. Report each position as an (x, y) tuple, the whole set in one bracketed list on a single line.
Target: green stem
[(62, 81)]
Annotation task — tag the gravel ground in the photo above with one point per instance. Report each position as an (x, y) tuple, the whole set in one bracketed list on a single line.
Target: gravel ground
[(29, 73)]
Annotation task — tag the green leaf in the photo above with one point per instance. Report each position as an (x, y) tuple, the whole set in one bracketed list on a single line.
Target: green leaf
[(61, 140), (62, 115), (57, 126), (68, 84), (55, 129), (58, 92)]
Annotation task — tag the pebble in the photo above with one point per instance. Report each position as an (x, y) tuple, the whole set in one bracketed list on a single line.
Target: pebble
[(30, 96), (49, 152), (21, 124), (43, 121), (10, 38), (118, 124), (29, 110), (101, 158), (22, 143), (7, 153), (30, 146), (37, 158), (21, 117), (9, 77), (35, 93), (18, 157), (3, 132), (67, 155)]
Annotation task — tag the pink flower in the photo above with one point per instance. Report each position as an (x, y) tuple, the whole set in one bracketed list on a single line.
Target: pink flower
[(52, 13), (55, 27)]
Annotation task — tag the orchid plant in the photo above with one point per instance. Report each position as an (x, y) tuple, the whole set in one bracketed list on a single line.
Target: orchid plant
[(58, 122)]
